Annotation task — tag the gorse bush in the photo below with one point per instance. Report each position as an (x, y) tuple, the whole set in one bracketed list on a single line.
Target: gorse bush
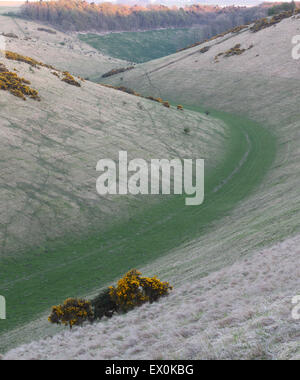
[(103, 305), (128, 292), (153, 288), (134, 290), (15, 85), (73, 312), (68, 78), (22, 58), (131, 291), (266, 23)]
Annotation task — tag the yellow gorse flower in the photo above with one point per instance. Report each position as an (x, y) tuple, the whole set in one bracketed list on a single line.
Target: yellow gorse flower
[(134, 290), (72, 312)]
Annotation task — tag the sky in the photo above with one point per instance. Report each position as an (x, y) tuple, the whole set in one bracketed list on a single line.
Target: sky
[(210, 2)]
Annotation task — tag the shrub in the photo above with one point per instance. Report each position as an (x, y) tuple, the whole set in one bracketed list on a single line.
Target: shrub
[(154, 288), (265, 23), (46, 30), (10, 35), (17, 86), (30, 61), (133, 290), (204, 49), (68, 78), (73, 312), (103, 305), (236, 50), (128, 293), (117, 71)]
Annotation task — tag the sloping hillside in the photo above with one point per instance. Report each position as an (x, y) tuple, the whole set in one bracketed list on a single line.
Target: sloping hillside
[(236, 313), (55, 144), (56, 232), (261, 83), (64, 51), (232, 298)]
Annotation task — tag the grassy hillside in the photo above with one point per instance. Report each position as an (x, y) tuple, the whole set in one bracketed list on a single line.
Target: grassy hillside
[(61, 50), (261, 83), (142, 46), (232, 298), (163, 227), (57, 235)]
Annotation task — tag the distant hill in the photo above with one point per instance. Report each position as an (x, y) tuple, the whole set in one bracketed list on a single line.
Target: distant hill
[(51, 46)]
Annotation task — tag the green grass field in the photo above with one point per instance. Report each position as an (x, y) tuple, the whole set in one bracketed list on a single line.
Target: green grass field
[(38, 279), (143, 46)]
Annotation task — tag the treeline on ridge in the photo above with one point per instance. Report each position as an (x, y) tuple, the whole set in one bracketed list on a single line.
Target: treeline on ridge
[(75, 15)]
